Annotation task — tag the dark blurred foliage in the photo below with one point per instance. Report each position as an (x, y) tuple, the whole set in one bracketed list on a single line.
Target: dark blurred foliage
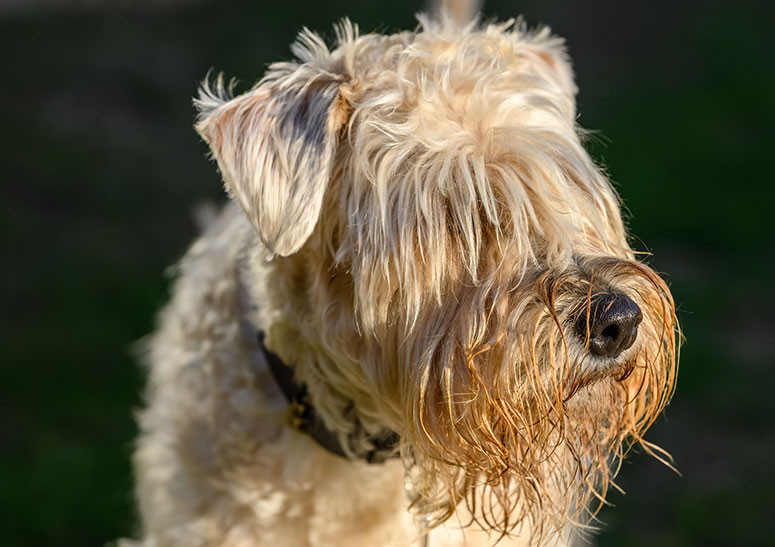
[(101, 172)]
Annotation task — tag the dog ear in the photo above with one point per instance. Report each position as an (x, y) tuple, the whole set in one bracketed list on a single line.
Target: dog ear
[(274, 146)]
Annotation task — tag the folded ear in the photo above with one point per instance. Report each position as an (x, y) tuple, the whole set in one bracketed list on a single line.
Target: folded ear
[(274, 146)]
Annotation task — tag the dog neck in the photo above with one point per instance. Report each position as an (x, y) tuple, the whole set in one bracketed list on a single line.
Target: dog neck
[(360, 443), (304, 417)]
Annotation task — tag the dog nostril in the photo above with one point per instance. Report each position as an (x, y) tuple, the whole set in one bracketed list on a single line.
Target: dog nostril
[(613, 324), (611, 331)]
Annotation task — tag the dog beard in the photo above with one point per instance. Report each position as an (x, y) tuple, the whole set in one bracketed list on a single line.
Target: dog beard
[(510, 412)]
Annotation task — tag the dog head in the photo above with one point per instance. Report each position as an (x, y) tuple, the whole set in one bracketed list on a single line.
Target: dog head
[(450, 264)]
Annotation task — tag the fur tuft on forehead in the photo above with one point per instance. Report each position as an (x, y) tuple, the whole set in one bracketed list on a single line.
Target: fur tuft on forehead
[(462, 157)]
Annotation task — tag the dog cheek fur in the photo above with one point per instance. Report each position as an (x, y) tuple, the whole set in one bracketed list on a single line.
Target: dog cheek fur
[(494, 411)]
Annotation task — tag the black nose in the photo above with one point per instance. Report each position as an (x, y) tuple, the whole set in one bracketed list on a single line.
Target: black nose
[(613, 324)]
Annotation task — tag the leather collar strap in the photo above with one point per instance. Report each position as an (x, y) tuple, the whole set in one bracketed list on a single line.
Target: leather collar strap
[(304, 418)]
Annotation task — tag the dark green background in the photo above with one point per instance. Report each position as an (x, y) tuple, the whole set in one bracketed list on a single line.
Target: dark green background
[(101, 171)]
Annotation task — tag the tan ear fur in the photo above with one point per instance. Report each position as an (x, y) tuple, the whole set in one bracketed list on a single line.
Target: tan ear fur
[(274, 146)]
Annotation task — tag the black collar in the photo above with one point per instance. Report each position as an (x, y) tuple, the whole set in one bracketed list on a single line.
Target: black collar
[(304, 418)]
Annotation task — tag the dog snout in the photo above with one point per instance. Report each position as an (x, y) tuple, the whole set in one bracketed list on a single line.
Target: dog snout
[(610, 324)]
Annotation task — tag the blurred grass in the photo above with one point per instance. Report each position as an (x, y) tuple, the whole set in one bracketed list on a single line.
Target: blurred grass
[(101, 171)]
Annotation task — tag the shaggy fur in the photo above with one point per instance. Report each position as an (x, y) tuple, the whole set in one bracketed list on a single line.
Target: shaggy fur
[(418, 229)]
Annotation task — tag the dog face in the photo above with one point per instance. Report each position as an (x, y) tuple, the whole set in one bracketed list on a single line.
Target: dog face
[(464, 267)]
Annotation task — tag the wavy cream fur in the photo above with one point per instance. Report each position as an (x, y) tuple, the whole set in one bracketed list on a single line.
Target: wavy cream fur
[(419, 228)]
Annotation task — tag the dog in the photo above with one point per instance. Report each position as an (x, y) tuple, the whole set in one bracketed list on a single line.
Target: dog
[(419, 322)]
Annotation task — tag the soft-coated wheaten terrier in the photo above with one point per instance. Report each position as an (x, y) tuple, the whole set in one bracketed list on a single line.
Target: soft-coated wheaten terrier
[(419, 323)]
